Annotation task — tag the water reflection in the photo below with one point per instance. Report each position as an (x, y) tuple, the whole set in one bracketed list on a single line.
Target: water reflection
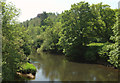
[(57, 68)]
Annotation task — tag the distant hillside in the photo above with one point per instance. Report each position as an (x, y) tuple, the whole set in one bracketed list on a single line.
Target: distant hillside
[(39, 20)]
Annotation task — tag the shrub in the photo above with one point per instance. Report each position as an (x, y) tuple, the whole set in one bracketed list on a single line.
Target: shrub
[(27, 68)]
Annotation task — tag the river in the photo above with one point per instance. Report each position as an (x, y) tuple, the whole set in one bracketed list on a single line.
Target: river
[(57, 68)]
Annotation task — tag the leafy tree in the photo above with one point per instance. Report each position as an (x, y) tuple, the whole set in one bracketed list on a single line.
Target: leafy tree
[(103, 19), (51, 37), (114, 54), (43, 17), (75, 23), (13, 39), (48, 22), (112, 51)]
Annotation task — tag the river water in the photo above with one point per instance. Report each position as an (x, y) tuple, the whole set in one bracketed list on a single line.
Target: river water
[(57, 68)]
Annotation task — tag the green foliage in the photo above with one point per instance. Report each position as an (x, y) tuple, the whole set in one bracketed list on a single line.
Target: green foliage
[(104, 51), (13, 38), (27, 68), (103, 19), (39, 20), (74, 26), (75, 32), (95, 44), (115, 52), (50, 37), (112, 51)]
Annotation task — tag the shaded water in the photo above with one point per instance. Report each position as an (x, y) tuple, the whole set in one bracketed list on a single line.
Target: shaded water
[(57, 68)]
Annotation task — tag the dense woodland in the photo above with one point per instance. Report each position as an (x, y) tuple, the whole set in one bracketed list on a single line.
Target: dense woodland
[(84, 33)]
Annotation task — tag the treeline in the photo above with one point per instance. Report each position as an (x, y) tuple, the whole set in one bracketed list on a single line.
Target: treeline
[(85, 32), (39, 20), (74, 30)]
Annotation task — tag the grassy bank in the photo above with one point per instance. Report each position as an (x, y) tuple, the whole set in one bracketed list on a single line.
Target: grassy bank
[(27, 68)]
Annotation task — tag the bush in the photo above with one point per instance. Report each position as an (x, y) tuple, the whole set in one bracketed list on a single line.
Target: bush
[(27, 68)]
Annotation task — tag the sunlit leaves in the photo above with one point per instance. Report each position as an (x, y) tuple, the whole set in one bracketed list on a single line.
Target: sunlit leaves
[(13, 40), (74, 26), (103, 19), (113, 50)]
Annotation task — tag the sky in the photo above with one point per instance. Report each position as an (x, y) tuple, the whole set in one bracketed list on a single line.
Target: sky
[(30, 8)]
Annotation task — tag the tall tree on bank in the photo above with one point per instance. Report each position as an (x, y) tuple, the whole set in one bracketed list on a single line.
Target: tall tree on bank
[(114, 54), (74, 26), (111, 51), (13, 40), (103, 19)]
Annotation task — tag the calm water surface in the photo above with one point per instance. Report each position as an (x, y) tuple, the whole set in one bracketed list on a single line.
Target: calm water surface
[(57, 68)]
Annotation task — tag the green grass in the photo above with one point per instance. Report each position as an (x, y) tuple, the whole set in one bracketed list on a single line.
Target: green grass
[(27, 68), (95, 44)]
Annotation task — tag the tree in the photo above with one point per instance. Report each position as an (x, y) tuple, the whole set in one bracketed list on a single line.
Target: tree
[(43, 17), (114, 53), (75, 23), (103, 19), (13, 39), (112, 50), (50, 37)]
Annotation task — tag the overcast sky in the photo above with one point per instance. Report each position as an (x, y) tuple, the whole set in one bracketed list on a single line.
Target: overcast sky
[(30, 8)]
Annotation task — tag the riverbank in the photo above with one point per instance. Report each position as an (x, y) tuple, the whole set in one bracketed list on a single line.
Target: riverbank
[(89, 54), (27, 70)]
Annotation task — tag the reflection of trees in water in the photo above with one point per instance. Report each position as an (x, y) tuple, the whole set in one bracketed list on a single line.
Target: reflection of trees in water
[(53, 66), (56, 67)]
